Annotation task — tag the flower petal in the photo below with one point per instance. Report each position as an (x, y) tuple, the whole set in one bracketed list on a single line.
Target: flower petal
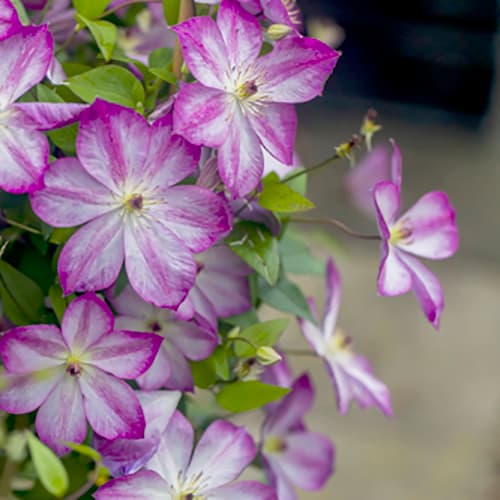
[(180, 377), (222, 453), (158, 374), (92, 258), (111, 406), (276, 127), (292, 408), (202, 115), (396, 164), (26, 56), (314, 335), (434, 233), (125, 354), (143, 485), (203, 50), (70, 196), (27, 349), (242, 490), (131, 307), (159, 266), (113, 144), (49, 115), (26, 392), (394, 277), (353, 378), (278, 13), (387, 198), (195, 215), (9, 20), (426, 288), (332, 299), (24, 152), (194, 342), (241, 162), (296, 69), (61, 417), (241, 32)]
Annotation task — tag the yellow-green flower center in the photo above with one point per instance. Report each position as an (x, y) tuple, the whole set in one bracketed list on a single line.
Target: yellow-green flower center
[(246, 89), (73, 366), (399, 234), (273, 445), (134, 202)]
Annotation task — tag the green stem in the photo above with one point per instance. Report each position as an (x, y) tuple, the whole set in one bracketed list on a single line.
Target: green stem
[(19, 225), (308, 170), (338, 224), (9, 472)]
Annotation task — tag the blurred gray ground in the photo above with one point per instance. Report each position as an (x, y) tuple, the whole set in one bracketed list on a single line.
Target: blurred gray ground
[(444, 441)]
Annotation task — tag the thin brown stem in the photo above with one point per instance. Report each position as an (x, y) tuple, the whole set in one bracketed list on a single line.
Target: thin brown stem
[(308, 170), (338, 224), (186, 11)]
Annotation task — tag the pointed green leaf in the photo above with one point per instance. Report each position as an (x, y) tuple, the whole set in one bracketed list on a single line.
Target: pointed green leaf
[(171, 10), (260, 335), (49, 468), (279, 197), (248, 395), (104, 33), (256, 245), (85, 450), (91, 9), (297, 258)]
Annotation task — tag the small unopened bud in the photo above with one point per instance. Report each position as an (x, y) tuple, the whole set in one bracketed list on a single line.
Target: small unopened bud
[(370, 127), (15, 446), (344, 150), (234, 332), (278, 31), (267, 356)]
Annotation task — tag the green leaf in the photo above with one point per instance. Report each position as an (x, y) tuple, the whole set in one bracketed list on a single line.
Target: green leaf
[(296, 257), (160, 58), (104, 33), (164, 74), (248, 395), (279, 197), (298, 183), (171, 10), (121, 282), (111, 83), (204, 373), (59, 301), (91, 9), (256, 245), (260, 335), (285, 296), (49, 468), (21, 12), (243, 320), (61, 235), (22, 298), (221, 363), (85, 450)]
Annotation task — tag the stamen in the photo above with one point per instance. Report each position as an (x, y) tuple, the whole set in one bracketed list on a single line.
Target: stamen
[(135, 202)]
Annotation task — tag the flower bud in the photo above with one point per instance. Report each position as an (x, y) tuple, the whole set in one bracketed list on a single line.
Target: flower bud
[(278, 31), (267, 356), (15, 446)]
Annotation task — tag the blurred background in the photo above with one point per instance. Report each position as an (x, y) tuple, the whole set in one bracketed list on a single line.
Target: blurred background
[(429, 68)]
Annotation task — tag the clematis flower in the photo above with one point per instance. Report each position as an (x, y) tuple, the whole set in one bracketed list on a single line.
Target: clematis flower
[(121, 188), (126, 456), (241, 101), (221, 288), (294, 456), (220, 456), (427, 229), (351, 373), (27, 54), (183, 341), (73, 374)]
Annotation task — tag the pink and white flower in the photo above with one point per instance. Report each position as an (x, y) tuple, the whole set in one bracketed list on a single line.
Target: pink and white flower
[(293, 455), (428, 229), (351, 374), (175, 471), (126, 456), (183, 341), (73, 374), (122, 189), (242, 101)]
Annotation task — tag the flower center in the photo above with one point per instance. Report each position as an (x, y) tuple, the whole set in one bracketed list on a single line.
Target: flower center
[(73, 366), (274, 444), (135, 202), (155, 326), (399, 233), (246, 89), (339, 343)]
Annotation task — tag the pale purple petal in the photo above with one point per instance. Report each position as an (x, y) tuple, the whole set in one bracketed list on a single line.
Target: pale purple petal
[(62, 417), (9, 20), (86, 320), (158, 407), (30, 348), (170, 158), (49, 115), (56, 73), (387, 197), (241, 162), (202, 115), (394, 277), (26, 56), (24, 152), (129, 306), (332, 299), (396, 164), (180, 377), (203, 50), (222, 453), (431, 221), (353, 378), (194, 342), (124, 354), (242, 490), (278, 374), (92, 258), (70, 196), (426, 288), (199, 307), (241, 32), (276, 127), (289, 413), (159, 266), (111, 406), (175, 449), (296, 69), (113, 144), (158, 374), (26, 392), (143, 485), (313, 334), (278, 13), (195, 215), (307, 460)]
